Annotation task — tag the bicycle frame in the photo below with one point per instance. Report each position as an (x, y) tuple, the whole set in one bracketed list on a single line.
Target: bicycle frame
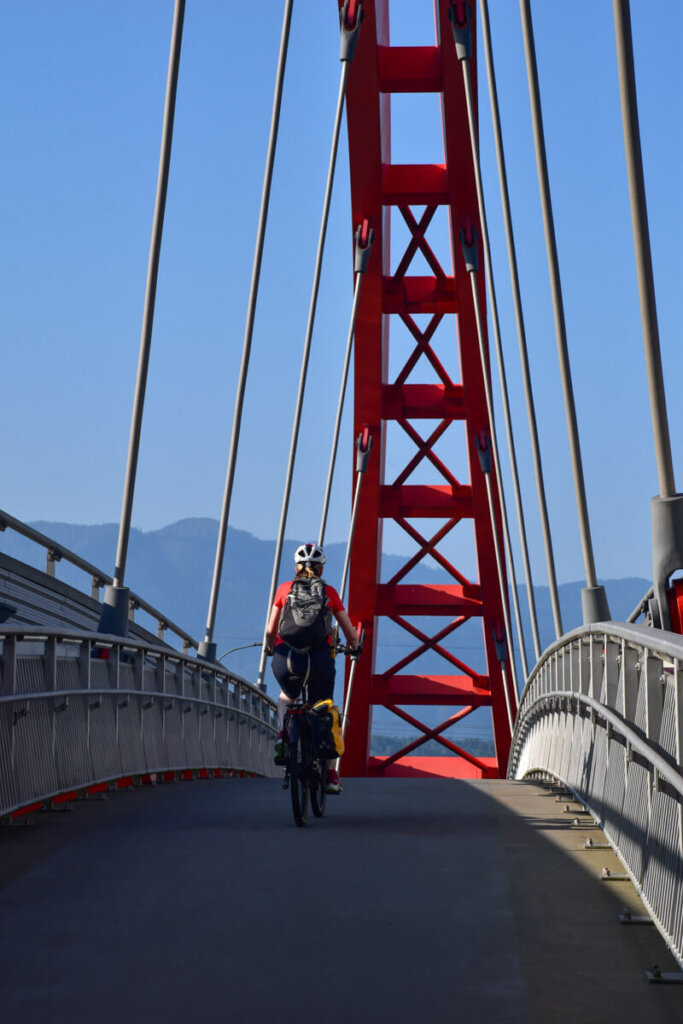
[(304, 772)]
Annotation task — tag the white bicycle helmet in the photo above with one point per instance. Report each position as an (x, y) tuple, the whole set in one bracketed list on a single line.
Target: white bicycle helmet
[(306, 554)]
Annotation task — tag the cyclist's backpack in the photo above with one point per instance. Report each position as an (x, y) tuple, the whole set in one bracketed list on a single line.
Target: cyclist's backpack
[(327, 732), (306, 620)]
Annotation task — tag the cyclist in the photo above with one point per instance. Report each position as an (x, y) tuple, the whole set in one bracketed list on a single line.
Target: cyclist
[(293, 666)]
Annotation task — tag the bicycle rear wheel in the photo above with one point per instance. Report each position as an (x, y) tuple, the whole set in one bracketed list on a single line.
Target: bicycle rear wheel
[(299, 775), (318, 793)]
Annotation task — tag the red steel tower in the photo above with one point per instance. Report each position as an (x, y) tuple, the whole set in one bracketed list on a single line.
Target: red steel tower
[(438, 312)]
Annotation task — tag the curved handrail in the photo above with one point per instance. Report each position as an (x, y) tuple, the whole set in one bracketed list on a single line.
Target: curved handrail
[(601, 713), (25, 698), (657, 640), (77, 674), (668, 646), (127, 644), (60, 551), (664, 769)]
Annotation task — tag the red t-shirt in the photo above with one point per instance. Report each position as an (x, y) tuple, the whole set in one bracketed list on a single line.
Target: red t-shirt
[(334, 601)]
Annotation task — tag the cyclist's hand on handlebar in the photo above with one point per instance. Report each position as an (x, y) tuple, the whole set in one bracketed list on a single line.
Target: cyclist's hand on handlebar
[(351, 652)]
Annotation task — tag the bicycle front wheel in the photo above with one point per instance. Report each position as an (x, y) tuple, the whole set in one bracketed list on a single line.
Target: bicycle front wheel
[(299, 773)]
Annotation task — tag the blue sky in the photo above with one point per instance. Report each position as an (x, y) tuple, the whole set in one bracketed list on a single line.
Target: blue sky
[(81, 99)]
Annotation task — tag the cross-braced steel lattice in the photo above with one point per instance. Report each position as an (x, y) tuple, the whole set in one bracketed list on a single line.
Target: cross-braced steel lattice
[(428, 307)]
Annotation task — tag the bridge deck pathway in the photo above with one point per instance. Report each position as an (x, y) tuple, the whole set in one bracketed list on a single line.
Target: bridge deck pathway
[(413, 900)]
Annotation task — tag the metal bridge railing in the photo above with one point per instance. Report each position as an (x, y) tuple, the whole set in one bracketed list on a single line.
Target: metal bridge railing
[(603, 713), (80, 709), (56, 552)]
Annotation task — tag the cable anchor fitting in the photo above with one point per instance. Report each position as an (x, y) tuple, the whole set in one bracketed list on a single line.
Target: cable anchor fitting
[(468, 241), (364, 237), (459, 17), (363, 449), (350, 19), (483, 443), (500, 644)]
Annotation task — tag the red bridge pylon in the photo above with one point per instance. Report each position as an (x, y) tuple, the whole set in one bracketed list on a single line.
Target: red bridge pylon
[(446, 340)]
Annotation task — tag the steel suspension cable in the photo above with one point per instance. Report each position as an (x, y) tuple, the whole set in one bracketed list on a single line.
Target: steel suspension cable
[(349, 39), (641, 236), (501, 498), (519, 319), (340, 409), (363, 448), (364, 238), (115, 611), (596, 594), (207, 648), (470, 253), (667, 507), (463, 49)]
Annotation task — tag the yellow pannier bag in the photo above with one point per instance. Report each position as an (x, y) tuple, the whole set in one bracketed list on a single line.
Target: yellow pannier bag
[(329, 712)]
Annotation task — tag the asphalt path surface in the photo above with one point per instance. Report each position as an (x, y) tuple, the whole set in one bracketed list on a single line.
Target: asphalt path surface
[(412, 900)]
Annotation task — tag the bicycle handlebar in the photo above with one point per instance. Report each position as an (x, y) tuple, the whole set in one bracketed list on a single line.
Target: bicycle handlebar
[(351, 652)]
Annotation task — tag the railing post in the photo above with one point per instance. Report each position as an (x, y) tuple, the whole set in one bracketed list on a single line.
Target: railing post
[(575, 667), (84, 665), (113, 667), (678, 682), (53, 555), (585, 666), (678, 695), (610, 682), (85, 673), (139, 670), (654, 696), (629, 681), (567, 660), (50, 663), (597, 649)]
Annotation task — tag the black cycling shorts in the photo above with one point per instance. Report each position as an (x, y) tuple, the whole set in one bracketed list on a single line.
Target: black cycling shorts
[(291, 667)]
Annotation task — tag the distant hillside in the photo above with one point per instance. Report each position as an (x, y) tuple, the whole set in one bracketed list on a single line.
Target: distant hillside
[(172, 569)]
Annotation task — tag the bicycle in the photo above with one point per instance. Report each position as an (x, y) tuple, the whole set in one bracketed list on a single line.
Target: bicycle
[(305, 771)]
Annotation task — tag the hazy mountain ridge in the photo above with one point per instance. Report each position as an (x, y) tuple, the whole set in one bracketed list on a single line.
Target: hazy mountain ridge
[(172, 569)]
